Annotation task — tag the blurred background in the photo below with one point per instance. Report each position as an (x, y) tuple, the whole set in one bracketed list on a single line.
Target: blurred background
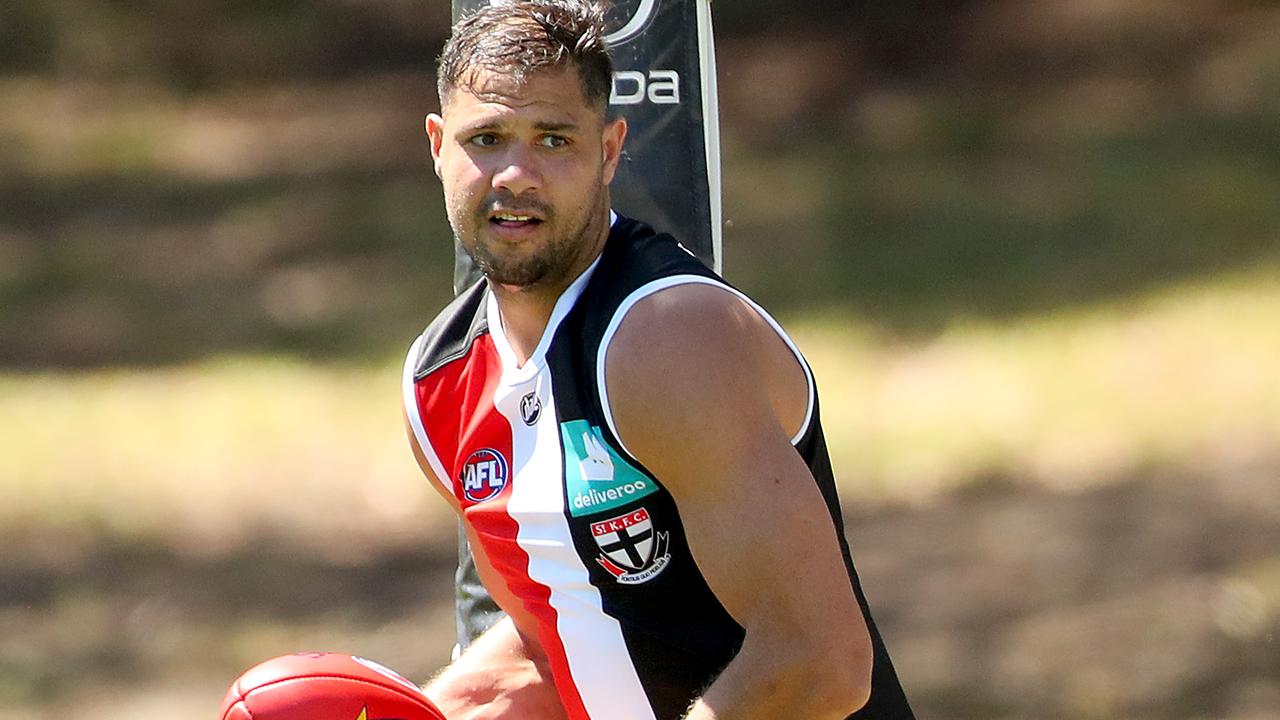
[(1032, 249)]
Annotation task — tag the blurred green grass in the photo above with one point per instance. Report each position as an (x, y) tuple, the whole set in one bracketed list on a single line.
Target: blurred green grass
[(207, 456), (201, 453), (148, 222), (166, 527), (1031, 249)]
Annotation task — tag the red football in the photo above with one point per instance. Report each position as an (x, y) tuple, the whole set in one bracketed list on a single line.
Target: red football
[(325, 686)]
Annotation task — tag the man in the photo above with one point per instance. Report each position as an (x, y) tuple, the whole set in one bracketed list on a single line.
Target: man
[(633, 445)]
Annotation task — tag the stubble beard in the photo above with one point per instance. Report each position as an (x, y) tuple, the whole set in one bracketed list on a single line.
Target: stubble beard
[(548, 265)]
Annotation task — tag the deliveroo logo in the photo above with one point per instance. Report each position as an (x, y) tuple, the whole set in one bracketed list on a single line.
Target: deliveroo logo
[(596, 476)]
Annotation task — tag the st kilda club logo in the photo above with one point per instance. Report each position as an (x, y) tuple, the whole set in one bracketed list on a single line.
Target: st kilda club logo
[(633, 552), (484, 475)]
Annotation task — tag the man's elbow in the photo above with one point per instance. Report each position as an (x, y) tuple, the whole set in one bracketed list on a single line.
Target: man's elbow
[(824, 680), (840, 693), (843, 685), (845, 694)]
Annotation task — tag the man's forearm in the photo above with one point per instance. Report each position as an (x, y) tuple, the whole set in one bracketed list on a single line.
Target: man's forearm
[(497, 678)]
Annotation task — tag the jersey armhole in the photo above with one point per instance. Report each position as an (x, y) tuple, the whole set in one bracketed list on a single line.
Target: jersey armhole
[(668, 282), (414, 414)]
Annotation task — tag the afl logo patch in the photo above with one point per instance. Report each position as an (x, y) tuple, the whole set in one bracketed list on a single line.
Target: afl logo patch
[(530, 408), (484, 475)]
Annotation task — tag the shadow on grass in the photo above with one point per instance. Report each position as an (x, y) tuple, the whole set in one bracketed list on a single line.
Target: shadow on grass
[(1137, 599), (349, 265), (1124, 601), (995, 229), (154, 270), (964, 196), (128, 613)]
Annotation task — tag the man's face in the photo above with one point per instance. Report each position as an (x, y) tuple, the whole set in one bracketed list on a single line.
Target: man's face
[(526, 168)]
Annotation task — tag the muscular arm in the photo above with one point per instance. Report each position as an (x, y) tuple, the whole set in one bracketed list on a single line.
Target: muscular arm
[(708, 401), (502, 676)]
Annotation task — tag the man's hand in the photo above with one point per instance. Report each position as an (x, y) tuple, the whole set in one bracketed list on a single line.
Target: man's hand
[(497, 679)]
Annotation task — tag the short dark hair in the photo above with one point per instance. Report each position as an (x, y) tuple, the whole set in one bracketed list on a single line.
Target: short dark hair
[(522, 37)]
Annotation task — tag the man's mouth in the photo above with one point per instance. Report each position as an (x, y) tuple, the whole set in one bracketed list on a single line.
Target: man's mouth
[(514, 219)]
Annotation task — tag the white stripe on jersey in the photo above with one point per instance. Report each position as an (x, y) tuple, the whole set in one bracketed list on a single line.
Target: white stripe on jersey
[(598, 659), (660, 284)]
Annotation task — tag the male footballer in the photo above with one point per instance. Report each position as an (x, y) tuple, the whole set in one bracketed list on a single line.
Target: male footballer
[(633, 445)]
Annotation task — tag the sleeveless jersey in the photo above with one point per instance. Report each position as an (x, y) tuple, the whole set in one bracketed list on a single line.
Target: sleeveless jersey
[(586, 538)]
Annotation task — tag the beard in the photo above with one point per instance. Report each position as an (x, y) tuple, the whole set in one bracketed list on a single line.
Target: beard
[(520, 272), (544, 261)]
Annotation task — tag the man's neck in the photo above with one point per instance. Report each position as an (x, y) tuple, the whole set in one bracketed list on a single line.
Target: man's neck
[(526, 310), (525, 313)]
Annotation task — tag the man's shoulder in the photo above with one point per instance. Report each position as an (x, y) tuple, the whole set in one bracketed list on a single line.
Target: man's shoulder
[(646, 251), (451, 333), (638, 255)]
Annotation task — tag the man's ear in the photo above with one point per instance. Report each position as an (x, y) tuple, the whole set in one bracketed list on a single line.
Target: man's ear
[(615, 133), (435, 131)]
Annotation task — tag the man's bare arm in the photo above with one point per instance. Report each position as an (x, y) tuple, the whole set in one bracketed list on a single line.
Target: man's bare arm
[(708, 401), (500, 677)]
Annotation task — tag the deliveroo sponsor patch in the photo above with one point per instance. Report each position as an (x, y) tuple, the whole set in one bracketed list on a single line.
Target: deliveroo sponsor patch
[(597, 478)]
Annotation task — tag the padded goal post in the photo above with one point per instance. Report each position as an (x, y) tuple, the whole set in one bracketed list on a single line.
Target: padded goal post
[(665, 86)]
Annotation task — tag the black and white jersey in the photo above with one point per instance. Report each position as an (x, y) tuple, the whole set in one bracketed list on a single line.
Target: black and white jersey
[(586, 538)]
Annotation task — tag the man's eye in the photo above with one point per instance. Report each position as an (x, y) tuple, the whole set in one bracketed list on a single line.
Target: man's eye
[(554, 141), (484, 140)]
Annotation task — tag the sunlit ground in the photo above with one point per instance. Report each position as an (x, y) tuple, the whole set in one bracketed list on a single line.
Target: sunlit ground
[(1078, 511), (203, 454), (1038, 277)]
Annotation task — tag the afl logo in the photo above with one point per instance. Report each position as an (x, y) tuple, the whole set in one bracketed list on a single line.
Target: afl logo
[(484, 475)]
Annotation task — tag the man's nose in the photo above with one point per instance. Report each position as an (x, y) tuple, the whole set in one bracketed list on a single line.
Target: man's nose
[(517, 172)]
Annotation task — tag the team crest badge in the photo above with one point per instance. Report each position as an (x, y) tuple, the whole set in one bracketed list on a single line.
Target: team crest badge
[(632, 550), (484, 475)]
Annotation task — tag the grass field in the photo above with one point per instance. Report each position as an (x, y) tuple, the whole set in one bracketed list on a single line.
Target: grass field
[(1032, 251), (1017, 492), (1067, 401)]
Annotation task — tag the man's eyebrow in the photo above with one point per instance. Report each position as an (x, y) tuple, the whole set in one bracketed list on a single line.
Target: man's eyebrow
[(479, 126), (555, 126), (543, 126)]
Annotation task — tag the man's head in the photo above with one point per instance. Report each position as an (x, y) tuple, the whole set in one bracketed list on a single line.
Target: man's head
[(520, 38), (523, 145)]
